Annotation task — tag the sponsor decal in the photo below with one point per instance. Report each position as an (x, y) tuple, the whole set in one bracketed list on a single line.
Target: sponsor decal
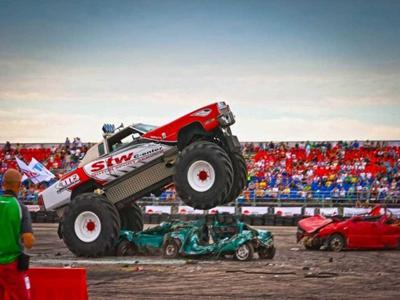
[(110, 162), (67, 182), (126, 160)]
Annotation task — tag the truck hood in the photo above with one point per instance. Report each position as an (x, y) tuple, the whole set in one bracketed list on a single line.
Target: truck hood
[(312, 224)]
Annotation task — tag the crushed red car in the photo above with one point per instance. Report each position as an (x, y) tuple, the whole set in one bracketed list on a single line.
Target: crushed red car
[(379, 229)]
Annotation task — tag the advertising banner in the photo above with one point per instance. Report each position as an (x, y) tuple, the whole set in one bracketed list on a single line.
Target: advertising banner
[(352, 211), (329, 211), (187, 210), (222, 209), (33, 208), (254, 210), (287, 211), (157, 209)]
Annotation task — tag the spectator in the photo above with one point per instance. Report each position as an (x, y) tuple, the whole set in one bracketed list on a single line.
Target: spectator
[(7, 147), (15, 226), (336, 170), (67, 143)]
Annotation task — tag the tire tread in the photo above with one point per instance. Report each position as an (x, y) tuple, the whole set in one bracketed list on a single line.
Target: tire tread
[(223, 157)]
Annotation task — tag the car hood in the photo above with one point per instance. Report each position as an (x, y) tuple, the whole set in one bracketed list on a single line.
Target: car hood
[(314, 223)]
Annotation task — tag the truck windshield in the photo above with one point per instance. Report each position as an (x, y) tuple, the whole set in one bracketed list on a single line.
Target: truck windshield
[(144, 127)]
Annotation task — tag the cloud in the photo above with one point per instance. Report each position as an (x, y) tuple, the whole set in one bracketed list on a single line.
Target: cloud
[(32, 125), (178, 84), (334, 129), (39, 126), (58, 100)]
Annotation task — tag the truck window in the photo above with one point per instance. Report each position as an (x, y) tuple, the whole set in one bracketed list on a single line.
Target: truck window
[(101, 149)]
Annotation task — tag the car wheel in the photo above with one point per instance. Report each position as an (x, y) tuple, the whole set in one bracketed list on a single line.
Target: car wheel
[(312, 244), (267, 253), (91, 225), (171, 248), (125, 248), (204, 175), (336, 243), (245, 252)]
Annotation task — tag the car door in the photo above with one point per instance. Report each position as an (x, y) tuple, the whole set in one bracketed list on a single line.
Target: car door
[(363, 233), (389, 233)]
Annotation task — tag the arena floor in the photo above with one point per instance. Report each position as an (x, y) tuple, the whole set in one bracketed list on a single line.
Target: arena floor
[(293, 274)]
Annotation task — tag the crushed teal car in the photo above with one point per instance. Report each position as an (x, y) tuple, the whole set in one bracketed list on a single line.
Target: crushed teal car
[(217, 238)]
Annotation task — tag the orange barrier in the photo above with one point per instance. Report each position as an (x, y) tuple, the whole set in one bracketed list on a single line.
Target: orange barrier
[(58, 283)]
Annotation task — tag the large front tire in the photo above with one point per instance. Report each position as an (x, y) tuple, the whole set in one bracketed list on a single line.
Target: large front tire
[(204, 175), (91, 225)]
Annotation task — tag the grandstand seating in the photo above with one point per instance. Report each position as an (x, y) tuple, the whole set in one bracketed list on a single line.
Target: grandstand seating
[(296, 171), (323, 170), (58, 158)]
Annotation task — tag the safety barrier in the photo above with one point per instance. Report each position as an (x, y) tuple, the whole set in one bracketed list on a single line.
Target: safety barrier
[(44, 217), (256, 220), (58, 283), (154, 214), (264, 196), (259, 216)]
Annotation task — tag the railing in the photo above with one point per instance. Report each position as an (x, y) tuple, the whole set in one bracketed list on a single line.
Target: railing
[(302, 198), (356, 199)]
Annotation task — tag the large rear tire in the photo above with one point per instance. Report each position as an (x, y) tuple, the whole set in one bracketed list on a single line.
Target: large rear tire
[(131, 218), (91, 225), (239, 176), (204, 175)]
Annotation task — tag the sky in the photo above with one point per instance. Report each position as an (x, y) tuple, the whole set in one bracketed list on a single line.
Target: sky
[(290, 70)]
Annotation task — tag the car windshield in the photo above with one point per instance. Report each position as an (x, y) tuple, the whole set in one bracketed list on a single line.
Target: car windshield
[(144, 127)]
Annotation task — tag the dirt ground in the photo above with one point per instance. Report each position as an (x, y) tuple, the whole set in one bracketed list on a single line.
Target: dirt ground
[(294, 273)]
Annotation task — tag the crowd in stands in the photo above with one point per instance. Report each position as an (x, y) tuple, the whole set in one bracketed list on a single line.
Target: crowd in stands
[(276, 171), (57, 158), (323, 170)]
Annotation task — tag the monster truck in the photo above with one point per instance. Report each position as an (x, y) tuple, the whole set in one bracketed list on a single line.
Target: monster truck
[(196, 152)]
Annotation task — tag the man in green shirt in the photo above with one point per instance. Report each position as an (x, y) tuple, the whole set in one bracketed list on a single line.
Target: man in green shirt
[(15, 230)]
